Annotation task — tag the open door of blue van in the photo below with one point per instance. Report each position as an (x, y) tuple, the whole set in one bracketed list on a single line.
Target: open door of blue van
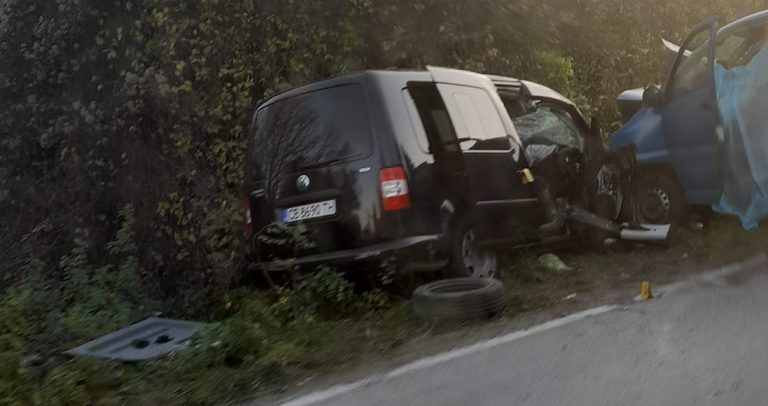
[(690, 118)]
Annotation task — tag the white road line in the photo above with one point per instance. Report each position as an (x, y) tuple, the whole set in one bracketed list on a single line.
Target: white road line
[(427, 362)]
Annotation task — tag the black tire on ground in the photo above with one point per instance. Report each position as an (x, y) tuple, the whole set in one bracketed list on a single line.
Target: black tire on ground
[(459, 299), (465, 259), (659, 198)]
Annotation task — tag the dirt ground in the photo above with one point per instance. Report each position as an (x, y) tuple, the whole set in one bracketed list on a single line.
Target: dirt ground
[(601, 275)]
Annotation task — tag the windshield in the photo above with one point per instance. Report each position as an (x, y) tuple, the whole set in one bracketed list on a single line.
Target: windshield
[(548, 126), (310, 130), (729, 52)]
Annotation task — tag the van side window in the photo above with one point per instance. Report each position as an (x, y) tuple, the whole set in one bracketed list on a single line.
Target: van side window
[(476, 116), (434, 117)]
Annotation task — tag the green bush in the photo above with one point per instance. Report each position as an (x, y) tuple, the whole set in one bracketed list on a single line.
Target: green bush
[(15, 380), (84, 381), (44, 317), (282, 328), (97, 300)]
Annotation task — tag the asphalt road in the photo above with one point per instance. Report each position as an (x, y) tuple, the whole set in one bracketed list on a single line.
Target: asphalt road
[(703, 343)]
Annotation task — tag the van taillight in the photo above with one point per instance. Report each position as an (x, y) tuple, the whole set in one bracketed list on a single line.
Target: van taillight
[(394, 189), (248, 220)]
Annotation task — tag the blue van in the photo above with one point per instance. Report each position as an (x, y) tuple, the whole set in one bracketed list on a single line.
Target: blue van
[(676, 128)]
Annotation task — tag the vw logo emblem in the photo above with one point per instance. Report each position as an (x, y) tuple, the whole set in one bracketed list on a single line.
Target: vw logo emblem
[(302, 183)]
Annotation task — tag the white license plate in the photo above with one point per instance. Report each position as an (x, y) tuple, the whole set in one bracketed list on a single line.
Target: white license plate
[(308, 211)]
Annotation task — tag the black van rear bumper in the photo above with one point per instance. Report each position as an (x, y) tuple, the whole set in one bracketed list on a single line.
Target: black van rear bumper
[(413, 254)]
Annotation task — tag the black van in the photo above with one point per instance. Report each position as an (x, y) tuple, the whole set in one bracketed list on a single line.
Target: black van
[(417, 169)]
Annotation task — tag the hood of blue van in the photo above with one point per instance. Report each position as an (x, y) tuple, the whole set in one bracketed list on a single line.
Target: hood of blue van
[(645, 132)]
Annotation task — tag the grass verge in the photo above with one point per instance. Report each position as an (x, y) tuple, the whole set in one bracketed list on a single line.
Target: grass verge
[(268, 341)]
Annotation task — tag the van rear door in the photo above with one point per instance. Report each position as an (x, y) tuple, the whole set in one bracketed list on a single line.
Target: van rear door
[(310, 161)]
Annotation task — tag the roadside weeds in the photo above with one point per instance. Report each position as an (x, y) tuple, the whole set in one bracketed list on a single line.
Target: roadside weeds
[(319, 332)]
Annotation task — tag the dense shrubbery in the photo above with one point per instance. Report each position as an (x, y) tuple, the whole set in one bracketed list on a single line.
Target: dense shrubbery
[(262, 333), (125, 120)]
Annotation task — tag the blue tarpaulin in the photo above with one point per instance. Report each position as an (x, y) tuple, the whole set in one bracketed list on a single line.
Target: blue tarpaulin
[(742, 98)]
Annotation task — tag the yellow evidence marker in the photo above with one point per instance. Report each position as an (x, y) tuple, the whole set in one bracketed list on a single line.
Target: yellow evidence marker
[(527, 176), (645, 291)]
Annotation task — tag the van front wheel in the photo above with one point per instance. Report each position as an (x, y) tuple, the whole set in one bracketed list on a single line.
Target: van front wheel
[(467, 258), (659, 198)]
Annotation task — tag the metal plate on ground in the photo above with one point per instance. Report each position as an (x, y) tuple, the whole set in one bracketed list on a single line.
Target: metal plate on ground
[(147, 339)]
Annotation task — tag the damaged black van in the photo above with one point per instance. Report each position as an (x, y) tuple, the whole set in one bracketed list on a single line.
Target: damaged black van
[(418, 169)]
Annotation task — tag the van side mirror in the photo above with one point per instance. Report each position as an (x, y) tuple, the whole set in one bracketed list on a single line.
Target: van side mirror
[(652, 96)]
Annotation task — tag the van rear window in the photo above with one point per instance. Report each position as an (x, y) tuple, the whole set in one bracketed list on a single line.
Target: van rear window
[(310, 130)]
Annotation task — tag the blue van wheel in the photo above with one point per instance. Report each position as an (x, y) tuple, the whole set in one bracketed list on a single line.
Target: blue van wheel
[(659, 198)]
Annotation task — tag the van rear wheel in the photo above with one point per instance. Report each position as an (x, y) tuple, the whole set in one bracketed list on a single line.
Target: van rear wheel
[(467, 259)]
